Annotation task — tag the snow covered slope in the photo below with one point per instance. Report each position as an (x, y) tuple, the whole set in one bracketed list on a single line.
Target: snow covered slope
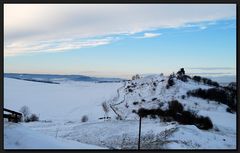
[(124, 134), (17, 136)]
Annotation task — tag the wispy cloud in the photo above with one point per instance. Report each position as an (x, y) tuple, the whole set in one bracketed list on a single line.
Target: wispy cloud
[(27, 24), (212, 68), (149, 35), (19, 48), (206, 73)]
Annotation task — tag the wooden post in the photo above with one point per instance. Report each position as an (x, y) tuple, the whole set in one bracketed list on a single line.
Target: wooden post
[(139, 134)]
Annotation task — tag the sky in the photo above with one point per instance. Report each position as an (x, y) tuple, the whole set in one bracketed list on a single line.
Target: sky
[(120, 40)]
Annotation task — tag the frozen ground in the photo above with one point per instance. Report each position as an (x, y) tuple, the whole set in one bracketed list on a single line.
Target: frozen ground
[(124, 134), (17, 136), (61, 107)]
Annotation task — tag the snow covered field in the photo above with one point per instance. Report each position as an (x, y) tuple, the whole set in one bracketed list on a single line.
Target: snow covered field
[(61, 107), (69, 100)]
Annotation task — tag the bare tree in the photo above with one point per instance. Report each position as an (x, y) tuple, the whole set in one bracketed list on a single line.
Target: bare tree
[(135, 77), (25, 111), (105, 108)]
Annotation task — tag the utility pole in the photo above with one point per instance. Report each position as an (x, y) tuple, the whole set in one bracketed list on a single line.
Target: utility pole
[(139, 134)]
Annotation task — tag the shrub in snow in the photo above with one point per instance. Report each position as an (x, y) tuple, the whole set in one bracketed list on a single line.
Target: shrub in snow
[(205, 81), (229, 110), (181, 72), (183, 96), (170, 81), (232, 86), (174, 108), (130, 90), (153, 116), (232, 92), (154, 99), (182, 76), (216, 129), (187, 117), (135, 77), (32, 118), (210, 82), (204, 123), (176, 113), (196, 78), (145, 112), (135, 103), (161, 104), (216, 94), (26, 115), (84, 118), (142, 112)]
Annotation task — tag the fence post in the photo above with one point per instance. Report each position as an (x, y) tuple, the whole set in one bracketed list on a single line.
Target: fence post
[(139, 134)]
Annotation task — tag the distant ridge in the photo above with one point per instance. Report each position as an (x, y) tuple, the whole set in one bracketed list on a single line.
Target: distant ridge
[(55, 78)]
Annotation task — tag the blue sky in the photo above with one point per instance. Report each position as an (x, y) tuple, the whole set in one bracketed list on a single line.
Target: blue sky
[(206, 46)]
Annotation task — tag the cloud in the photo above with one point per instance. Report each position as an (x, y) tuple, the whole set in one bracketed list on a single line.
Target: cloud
[(150, 35), (212, 68), (203, 27), (27, 24), (224, 78), (206, 73), (53, 46)]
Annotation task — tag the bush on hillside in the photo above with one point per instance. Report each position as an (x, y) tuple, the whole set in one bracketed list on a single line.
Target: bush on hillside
[(182, 76), (229, 110), (32, 118), (174, 107), (197, 78), (170, 81), (176, 113), (216, 94), (154, 99), (183, 96), (130, 90), (205, 81), (135, 103), (84, 118), (204, 123)]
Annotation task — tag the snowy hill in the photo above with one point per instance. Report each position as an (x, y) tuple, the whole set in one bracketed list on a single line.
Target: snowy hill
[(151, 92), (61, 107)]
